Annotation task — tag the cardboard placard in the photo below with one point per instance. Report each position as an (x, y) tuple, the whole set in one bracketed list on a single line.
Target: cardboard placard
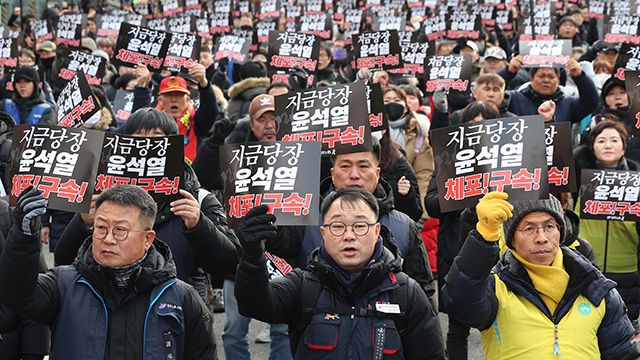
[(141, 45), (122, 105), (183, 52), (319, 25), (69, 34), (171, 7), (561, 174), (377, 50), (621, 29), (220, 23), (628, 60), (337, 116), (475, 158), (413, 54), (632, 83), (77, 102), (378, 119), (8, 53), (290, 50), (545, 53), (232, 47), (282, 175), (435, 27), (41, 30), (609, 195), (462, 24), (57, 160), (181, 24), (71, 60), (448, 72), (269, 9), (154, 163)]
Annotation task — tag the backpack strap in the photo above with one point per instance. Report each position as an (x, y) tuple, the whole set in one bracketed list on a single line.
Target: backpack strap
[(402, 296), (311, 289)]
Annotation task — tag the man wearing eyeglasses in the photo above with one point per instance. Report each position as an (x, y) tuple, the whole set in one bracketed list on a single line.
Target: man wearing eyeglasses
[(363, 295), (542, 300), (120, 299)]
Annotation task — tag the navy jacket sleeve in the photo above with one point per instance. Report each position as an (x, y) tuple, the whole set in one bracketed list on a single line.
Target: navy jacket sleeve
[(416, 265), (422, 324), (615, 334), (141, 98), (469, 291), (207, 112), (200, 342), (588, 99)]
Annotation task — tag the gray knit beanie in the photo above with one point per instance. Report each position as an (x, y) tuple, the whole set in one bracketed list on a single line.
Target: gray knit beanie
[(522, 208)]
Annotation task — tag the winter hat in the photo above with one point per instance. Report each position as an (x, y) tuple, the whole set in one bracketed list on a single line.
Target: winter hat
[(522, 208), (27, 72), (608, 86)]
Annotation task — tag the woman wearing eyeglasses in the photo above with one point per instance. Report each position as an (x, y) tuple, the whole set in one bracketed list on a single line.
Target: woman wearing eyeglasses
[(615, 243)]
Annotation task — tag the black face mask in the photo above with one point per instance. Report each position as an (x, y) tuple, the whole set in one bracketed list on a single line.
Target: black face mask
[(47, 63), (246, 27), (394, 110)]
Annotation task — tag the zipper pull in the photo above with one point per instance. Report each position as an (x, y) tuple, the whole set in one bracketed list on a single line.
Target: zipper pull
[(556, 345)]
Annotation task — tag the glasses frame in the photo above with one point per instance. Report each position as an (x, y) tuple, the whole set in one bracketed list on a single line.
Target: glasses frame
[(346, 226), (557, 226), (113, 232)]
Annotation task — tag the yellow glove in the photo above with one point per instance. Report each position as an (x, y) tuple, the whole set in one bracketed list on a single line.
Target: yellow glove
[(492, 209)]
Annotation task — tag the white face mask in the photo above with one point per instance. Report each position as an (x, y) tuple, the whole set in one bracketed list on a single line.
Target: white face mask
[(92, 120), (377, 134)]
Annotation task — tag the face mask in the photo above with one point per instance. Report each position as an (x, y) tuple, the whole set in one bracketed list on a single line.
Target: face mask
[(480, 48), (246, 27), (339, 54), (394, 110), (92, 120), (194, 93), (47, 63)]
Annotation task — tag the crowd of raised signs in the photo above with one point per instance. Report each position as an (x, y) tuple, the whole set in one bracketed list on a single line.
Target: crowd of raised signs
[(421, 72)]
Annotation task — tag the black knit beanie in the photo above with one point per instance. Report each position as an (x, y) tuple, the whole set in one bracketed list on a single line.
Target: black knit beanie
[(522, 208)]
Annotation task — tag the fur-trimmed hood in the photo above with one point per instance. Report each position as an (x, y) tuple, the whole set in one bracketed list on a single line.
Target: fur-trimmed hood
[(239, 88), (222, 101)]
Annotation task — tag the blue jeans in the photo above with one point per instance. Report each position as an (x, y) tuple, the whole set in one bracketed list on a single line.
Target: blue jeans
[(235, 336)]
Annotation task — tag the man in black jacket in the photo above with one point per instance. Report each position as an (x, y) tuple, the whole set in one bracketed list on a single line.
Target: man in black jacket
[(364, 305), (120, 299)]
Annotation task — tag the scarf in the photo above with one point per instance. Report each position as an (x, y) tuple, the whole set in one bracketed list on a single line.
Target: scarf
[(550, 281), (185, 123), (350, 281), (122, 274), (396, 131)]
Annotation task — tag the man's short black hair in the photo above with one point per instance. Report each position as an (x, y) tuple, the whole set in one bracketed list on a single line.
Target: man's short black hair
[(376, 152), (534, 70), (277, 84), (150, 119), (131, 195), (350, 194)]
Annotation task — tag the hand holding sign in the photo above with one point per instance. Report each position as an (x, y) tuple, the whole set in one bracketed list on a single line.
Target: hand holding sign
[(492, 209), (187, 208), (516, 64), (574, 67), (256, 227), (143, 76), (88, 218), (199, 73)]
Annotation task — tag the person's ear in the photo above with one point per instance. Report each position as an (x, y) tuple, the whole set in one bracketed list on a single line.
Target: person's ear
[(148, 239)]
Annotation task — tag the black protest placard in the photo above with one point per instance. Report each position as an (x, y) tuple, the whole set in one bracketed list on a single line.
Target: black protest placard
[(8, 53), (475, 158), (233, 47), (504, 19), (109, 25), (292, 11), (378, 119), (192, 5), (435, 27), (632, 84), (319, 24), (413, 54), (620, 7), (144, 9), (269, 9), (183, 52), (378, 50), (290, 50), (48, 157), (248, 34), (382, 23), (263, 29), (609, 195), (181, 24), (462, 24), (242, 7), (41, 30), (72, 60), (202, 28), (171, 7), (77, 102), (545, 53), (448, 72), (158, 24), (621, 29), (544, 23), (7, 32), (280, 174), (337, 116), (141, 45), (628, 60), (314, 7), (122, 105), (220, 23), (596, 9), (561, 174), (69, 34), (155, 163)]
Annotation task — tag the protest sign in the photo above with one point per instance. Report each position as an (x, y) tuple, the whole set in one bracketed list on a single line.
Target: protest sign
[(232, 47), (263, 29), (609, 195), (140, 45), (283, 175), (41, 30), (561, 174), (632, 84), (545, 53), (143, 9), (435, 27), (319, 25), (171, 7), (544, 23), (314, 7), (158, 24), (181, 24), (154, 163), (621, 29), (378, 119), (48, 157), (337, 116), (383, 23), (71, 60), (628, 60), (122, 105), (77, 102), (8, 53), (220, 23), (69, 34), (475, 158), (290, 50), (413, 54), (462, 24), (377, 50), (269, 9), (447, 72), (183, 52), (109, 25)]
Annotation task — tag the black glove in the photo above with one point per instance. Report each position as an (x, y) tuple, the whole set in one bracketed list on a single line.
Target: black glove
[(598, 46), (256, 227), (30, 205), (222, 65), (221, 129)]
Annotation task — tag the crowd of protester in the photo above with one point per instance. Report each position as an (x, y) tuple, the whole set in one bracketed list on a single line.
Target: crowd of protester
[(384, 240)]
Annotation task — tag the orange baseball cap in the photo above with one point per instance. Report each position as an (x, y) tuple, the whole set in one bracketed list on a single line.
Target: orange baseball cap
[(173, 83)]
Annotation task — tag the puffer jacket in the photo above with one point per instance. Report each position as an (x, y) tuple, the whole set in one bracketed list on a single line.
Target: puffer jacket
[(209, 247), (279, 301), (21, 109), (470, 295), (50, 299), (296, 243), (242, 93)]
